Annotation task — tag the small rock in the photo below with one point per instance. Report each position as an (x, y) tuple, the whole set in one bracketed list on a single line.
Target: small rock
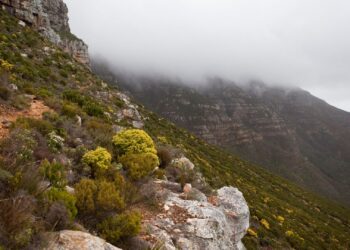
[(128, 113), (138, 124), (63, 159), (70, 189), (70, 176), (13, 87), (31, 97), (104, 85), (43, 185), (196, 195), (166, 207), (24, 55), (23, 24), (78, 118), (117, 129), (187, 188), (183, 162), (6, 124), (69, 240), (78, 141), (108, 115)]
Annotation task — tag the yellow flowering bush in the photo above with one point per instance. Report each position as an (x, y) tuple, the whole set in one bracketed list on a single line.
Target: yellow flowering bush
[(133, 141), (289, 233), (98, 159), (251, 232), (137, 152), (94, 196), (5, 65), (280, 219), (294, 239), (139, 165), (265, 223), (162, 139)]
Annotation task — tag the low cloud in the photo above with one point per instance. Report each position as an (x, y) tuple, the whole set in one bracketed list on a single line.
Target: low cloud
[(303, 43)]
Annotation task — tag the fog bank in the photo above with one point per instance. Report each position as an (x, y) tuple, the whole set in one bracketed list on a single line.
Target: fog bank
[(303, 43)]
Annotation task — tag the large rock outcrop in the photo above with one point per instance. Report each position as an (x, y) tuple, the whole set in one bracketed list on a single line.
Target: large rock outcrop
[(73, 240), (50, 18), (196, 224)]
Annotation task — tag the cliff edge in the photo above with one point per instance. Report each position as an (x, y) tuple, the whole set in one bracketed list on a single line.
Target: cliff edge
[(50, 19)]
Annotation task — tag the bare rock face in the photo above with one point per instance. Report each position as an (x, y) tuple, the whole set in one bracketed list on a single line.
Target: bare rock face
[(72, 240), (286, 130), (192, 224), (50, 18)]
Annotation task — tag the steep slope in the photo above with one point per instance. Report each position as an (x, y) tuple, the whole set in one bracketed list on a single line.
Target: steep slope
[(283, 215), (288, 131), (50, 18)]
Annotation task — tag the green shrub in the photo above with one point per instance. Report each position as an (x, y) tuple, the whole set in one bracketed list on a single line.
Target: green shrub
[(133, 141), (99, 160), (54, 141), (96, 197), (42, 126), (43, 92), (108, 198), (85, 192), (67, 199), (139, 165), (89, 106), (159, 174), (57, 217), (4, 93), (20, 102), (74, 96), (127, 189), (165, 156), (27, 73), (71, 110), (93, 109), (100, 131), (120, 226), (19, 147), (54, 172), (17, 221), (63, 73), (44, 72)]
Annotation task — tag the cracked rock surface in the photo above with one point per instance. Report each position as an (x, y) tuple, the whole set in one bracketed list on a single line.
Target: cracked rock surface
[(193, 224)]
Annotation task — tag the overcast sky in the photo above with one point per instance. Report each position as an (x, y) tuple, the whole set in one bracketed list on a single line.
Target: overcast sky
[(303, 43)]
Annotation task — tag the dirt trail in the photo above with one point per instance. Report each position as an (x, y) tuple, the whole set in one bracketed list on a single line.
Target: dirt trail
[(9, 115)]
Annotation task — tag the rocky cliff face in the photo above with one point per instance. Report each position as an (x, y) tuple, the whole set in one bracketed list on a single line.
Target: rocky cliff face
[(290, 132), (50, 18)]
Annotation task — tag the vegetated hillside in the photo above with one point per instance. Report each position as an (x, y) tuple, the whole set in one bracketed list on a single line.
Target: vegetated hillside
[(60, 148), (288, 131)]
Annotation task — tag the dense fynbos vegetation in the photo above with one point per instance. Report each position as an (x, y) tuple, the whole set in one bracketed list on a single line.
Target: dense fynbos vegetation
[(80, 165)]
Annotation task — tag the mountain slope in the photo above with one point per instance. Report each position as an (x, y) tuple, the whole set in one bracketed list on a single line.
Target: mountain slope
[(50, 76), (288, 131)]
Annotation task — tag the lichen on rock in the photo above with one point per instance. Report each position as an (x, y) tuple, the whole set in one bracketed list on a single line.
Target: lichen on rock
[(192, 224)]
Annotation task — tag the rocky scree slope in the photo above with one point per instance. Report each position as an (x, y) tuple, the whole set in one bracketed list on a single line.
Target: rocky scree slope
[(288, 131), (87, 113)]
